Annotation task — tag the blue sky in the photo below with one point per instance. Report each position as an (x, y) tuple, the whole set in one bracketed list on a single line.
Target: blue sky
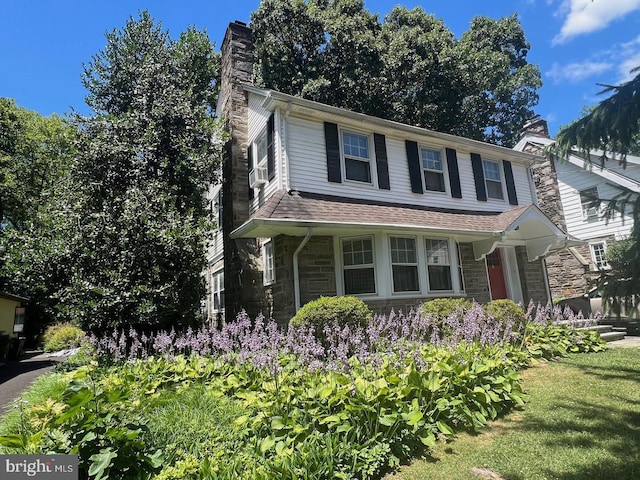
[(576, 43)]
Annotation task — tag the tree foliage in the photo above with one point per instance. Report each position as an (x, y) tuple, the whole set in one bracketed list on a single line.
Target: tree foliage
[(408, 68), (124, 241)]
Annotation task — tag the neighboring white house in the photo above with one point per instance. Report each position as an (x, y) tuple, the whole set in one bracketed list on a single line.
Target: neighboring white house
[(318, 200), (578, 184)]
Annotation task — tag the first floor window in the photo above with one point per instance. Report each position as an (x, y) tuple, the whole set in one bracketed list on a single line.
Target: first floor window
[(217, 291), (358, 264), (357, 165), (493, 180), (18, 320), (598, 255), (439, 264), (269, 266), (404, 263), (433, 170)]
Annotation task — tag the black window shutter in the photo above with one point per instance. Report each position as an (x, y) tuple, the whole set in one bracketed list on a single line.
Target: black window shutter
[(382, 163), (271, 171), (454, 174), (332, 143), (250, 167), (478, 177), (415, 175), (511, 185)]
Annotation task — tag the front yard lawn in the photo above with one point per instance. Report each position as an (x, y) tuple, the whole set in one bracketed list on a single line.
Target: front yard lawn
[(582, 421)]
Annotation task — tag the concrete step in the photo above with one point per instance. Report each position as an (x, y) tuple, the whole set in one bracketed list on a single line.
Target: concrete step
[(612, 336), (600, 328)]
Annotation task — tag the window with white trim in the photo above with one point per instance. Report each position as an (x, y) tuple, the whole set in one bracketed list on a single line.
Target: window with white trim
[(217, 206), (18, 319), (260, 149), (493, 179), (358, 266), (438, 264), (598, 251), (217, 291), (432, 170), (356, 156), (404, 264), (269, 274), (460, 269), (588, 197)]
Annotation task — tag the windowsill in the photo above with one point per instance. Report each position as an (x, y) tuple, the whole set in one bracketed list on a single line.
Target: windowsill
[(361, 184)]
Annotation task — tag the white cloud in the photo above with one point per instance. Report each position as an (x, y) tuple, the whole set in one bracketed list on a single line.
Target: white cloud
[(586, 16), (629, 63), (576, 72)]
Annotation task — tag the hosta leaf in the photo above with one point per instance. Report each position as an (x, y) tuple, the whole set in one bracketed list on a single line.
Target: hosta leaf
[(267, 444), (444, 428), (414, 417), (100, 462), (429, 439)]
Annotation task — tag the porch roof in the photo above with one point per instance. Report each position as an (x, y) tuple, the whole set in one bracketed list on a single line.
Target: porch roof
[(294, 213)]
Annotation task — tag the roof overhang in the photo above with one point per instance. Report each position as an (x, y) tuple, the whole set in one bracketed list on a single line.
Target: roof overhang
[(15, 298)]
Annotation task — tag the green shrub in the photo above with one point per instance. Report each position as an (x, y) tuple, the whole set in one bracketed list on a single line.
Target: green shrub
[(441, 308), (62, 336), (349, 311), (505, 311)]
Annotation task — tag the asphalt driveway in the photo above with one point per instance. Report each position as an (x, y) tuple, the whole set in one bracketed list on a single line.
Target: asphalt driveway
[(16, 376)]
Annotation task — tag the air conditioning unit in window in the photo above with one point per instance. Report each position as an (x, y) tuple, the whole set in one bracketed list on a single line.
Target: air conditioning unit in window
[(591, 212), (258, 177)]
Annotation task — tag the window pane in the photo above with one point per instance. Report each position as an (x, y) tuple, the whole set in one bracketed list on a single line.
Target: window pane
[(491, 170), (434, 181), (403, 250), (359, 280), (357, 170), (494, 190), (440, 277), (431, 159), (405, 278), (437, 252), (355, 145)]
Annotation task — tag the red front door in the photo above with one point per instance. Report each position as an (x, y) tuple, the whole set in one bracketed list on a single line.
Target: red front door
[(496, 275)]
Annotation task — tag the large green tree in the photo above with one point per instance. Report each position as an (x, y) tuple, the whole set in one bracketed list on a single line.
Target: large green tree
[(136, 217), (608, 132), (408, 67)]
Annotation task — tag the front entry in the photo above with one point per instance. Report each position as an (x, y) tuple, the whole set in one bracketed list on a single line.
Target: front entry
[(495, 272)]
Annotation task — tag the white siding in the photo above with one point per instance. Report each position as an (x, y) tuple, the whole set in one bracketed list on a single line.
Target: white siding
[(571, 180), (308, 173), (214, 248)]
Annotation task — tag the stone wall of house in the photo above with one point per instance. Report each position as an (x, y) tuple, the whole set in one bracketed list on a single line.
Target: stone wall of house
[(566, 272), (242, 261), (476, 281), (532, 278)]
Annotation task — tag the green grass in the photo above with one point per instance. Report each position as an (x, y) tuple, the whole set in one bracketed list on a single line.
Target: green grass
[(582, 422)]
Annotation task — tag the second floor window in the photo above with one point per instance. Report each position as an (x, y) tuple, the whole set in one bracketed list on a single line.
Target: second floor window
[(493, 179), (588, 198), (357, 162), (358, 264), (433, 170)]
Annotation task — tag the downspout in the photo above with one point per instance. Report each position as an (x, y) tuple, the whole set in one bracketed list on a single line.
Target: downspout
[(296, 273)]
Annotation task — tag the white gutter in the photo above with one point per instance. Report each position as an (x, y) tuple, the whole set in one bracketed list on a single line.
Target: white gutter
[(296, 273)]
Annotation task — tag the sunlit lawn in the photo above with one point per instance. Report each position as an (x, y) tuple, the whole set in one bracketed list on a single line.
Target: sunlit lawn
[(582, 422)]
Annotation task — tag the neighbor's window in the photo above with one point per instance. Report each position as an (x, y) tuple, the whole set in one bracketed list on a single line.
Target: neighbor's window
[(433, 170), (404, 264), (357, 261), (587, 199), (357, 165), (18, 320), (260, 149), (217, 291), (598, 255), (269, 266), (439, 264), (493, 179)]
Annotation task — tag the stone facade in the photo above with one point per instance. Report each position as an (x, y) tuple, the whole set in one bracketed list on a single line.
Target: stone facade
[(242, 261), (476, 281), (532, 278), (567, 273)]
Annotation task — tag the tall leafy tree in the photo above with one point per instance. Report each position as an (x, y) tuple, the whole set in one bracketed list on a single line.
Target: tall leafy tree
[(138, 220), (409, 67)]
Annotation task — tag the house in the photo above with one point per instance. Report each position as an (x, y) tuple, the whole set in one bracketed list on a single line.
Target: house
[(12, 321), (317, 200), (568, 188)]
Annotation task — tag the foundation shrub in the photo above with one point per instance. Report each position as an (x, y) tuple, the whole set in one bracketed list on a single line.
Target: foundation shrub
[(346, 311), (442, 308), (507, 311)]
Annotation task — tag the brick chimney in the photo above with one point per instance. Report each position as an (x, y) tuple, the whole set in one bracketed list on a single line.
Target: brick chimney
[(242, 259), (536, 126)]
